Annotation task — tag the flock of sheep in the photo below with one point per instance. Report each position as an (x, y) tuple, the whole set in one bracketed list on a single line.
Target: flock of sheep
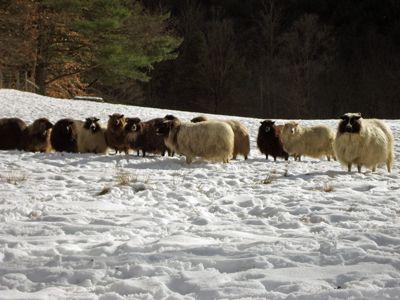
[(358, 141)]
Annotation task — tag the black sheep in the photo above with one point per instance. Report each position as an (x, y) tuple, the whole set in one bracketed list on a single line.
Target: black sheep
[(11, 137), (64, 136), (269, 140)]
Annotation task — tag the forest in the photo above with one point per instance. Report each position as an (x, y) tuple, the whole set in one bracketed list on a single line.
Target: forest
[(269, 59)]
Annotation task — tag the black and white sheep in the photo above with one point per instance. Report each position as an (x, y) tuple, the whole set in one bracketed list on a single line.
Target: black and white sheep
[(269, 140), (11, 136), (364, 142), (115, 133), (64, 135), (208, 140), (314, 141), (36, 136), (242, 139), (92, 137)]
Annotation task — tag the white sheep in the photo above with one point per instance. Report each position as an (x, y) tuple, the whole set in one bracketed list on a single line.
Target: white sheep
[(315, 141), (92, 137), (364, 142), (242, 139), (208, 140)]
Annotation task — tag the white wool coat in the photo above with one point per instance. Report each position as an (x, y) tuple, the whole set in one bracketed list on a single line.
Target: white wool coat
[(208, 140), (89, 142), (315, 141), (373, 146)]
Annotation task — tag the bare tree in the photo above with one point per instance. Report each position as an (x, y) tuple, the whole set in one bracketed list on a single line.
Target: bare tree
[(306, 50), (270, 22), (226, 71)]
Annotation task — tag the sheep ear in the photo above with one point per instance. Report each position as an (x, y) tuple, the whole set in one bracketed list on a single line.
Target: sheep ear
[(95, 119), (71, 122), (273, 122), (88, 119), (342, 117), (110, 116)]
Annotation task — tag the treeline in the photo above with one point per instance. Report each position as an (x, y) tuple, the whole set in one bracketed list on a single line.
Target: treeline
[(260, 58)]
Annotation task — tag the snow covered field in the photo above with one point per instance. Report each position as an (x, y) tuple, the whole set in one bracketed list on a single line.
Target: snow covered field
[(71, 227)]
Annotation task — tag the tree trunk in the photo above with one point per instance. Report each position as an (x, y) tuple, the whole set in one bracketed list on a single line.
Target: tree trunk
[(40, 74)]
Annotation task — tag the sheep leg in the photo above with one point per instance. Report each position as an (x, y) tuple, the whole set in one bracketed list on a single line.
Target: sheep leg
[(266, 156), (388, 167), (274, 158), (328, 157), (359, 168), (374, 169)]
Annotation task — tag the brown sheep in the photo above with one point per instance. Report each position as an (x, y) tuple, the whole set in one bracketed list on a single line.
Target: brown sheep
[(64, 135), (143, 136), (115, 133), (37, 136), (241, 140), (269, 140), (11, 136)]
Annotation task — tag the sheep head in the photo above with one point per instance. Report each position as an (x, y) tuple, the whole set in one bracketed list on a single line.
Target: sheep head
[(267, 126), (66, 128), (132, 124), (116, 121), (91, 124), (41, 126), (290, 128), (350, 123)]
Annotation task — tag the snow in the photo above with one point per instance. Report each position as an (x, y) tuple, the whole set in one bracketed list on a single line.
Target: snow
[(249, 229)]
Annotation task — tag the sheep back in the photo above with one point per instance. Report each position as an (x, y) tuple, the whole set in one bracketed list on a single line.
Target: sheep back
[(241, 144), (315, 141), (369, 143), (269, 140), (208, 140), (92, 137), (64, 135), (11, 133), (36, 136), (115, 133)]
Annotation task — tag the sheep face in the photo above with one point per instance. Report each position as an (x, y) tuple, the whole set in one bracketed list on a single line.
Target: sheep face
[(116, 121), (350, 123), (132, 124), (164, 128), (91, 124), (290, 129), (40, 126), (267, 126), (65, 130)]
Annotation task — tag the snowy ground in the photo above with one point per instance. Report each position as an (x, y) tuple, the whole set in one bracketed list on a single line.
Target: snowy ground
[(248, 229)]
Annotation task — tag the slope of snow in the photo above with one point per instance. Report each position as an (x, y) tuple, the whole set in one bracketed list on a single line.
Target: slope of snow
[(249, 229)]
